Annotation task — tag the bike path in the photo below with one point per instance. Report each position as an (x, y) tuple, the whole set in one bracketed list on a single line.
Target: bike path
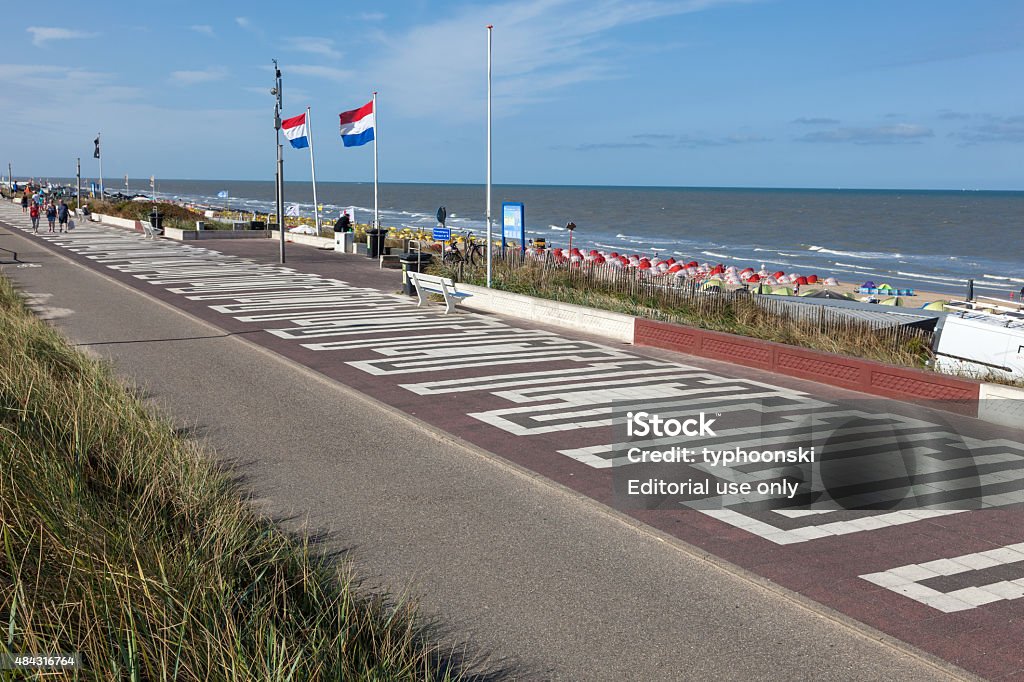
[(472, 382)]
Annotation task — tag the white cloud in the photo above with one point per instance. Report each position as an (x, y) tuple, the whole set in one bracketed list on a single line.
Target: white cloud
[(318, 46), (540, 47), (44, 34), (243, 22), (373, 16), (901, 133), (213, 73), (316, 71), (205, 29)]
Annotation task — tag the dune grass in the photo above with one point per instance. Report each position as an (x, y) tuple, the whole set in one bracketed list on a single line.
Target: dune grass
[(120, 540), (731, 313)]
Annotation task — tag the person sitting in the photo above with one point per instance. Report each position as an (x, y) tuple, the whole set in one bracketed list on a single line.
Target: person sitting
[(344, 223)]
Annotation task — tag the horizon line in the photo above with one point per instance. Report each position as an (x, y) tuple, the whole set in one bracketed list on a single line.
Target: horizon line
[(556, 185)]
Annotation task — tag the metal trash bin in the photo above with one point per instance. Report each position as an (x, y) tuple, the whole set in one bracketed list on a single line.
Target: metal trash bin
[(156, 220), (413, 262), (375, 237)]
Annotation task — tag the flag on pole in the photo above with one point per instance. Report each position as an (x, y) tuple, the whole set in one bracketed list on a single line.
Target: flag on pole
[(296, 131), (96, 154), (357, 125), (292, 211), (223, 194)]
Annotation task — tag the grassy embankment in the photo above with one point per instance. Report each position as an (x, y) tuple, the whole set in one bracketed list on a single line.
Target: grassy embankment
[(173, 215), (120, 540), (733, 314)]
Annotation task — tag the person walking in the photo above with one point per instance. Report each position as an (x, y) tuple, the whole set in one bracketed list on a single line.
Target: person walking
[(24, 203), (62, 215), (33, 213), (51, 214)]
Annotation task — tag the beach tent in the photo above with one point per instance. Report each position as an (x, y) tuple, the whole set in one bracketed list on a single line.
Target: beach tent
[(712, 283), (894, 301), (825, 293), (935, 305), (782, 291), (831, 282), (884, 287), (809, 292), (868, 285)]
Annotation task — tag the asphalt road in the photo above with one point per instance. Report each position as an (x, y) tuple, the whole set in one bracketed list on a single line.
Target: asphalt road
[(538, 582)]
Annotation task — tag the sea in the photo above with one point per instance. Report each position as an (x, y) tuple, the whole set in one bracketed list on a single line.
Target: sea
[(931, 240)]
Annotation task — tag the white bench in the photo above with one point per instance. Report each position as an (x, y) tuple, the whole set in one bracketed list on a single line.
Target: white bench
[(149, 230), (438, 285)]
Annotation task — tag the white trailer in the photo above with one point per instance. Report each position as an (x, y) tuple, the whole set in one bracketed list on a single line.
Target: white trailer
[(981, 345)]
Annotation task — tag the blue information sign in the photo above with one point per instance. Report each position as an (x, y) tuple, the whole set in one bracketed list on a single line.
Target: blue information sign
[(513, 222), (442, 234)]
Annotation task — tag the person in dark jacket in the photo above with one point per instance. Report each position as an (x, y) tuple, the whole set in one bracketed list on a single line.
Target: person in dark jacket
[(344, 223), (62, 215)]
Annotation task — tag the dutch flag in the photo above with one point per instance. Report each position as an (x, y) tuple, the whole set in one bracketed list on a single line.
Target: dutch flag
[(357, 125), (295, 130)]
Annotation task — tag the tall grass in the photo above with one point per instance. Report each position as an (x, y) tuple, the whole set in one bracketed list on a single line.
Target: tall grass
[(761, 317), (119, 540)]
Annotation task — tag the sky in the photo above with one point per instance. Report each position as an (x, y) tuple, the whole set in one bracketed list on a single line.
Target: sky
[(917, 94)]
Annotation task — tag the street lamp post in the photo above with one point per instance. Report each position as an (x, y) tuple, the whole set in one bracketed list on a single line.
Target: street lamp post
[(276, 92)]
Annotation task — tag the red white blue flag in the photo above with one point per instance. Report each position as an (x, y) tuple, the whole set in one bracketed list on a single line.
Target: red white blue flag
[(295, 130), (357, 125)]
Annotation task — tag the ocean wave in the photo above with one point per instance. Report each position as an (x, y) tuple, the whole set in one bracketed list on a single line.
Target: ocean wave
[(850, 265), (1004, 278), (934, 278), (715, 255), (866, 255), (557, 228)]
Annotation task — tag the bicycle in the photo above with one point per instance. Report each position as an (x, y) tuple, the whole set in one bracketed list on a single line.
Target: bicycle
[(451, 255), (475, 253)]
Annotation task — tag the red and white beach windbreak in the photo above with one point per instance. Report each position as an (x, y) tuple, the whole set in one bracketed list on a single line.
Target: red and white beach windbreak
[(357, 125), (296, 131)]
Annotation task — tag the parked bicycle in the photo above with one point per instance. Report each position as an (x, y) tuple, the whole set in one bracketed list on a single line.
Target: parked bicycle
[(471, 252)]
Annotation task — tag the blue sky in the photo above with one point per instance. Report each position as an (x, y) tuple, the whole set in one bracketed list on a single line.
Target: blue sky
[(765, 93)]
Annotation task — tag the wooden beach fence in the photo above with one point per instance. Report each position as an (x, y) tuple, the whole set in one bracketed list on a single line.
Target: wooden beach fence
[(672, 300)]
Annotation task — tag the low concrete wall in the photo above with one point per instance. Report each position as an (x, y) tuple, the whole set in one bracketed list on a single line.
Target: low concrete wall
[(1002, 405), (194, 235), (118, 222), (952, 393), (614, 326), (307, 239)]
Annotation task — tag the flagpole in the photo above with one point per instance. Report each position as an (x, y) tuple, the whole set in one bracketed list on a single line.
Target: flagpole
[(376, 124), (490, 27), (312, 168)]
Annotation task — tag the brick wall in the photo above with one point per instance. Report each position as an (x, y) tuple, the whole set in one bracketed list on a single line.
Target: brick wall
[(958, 395)]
